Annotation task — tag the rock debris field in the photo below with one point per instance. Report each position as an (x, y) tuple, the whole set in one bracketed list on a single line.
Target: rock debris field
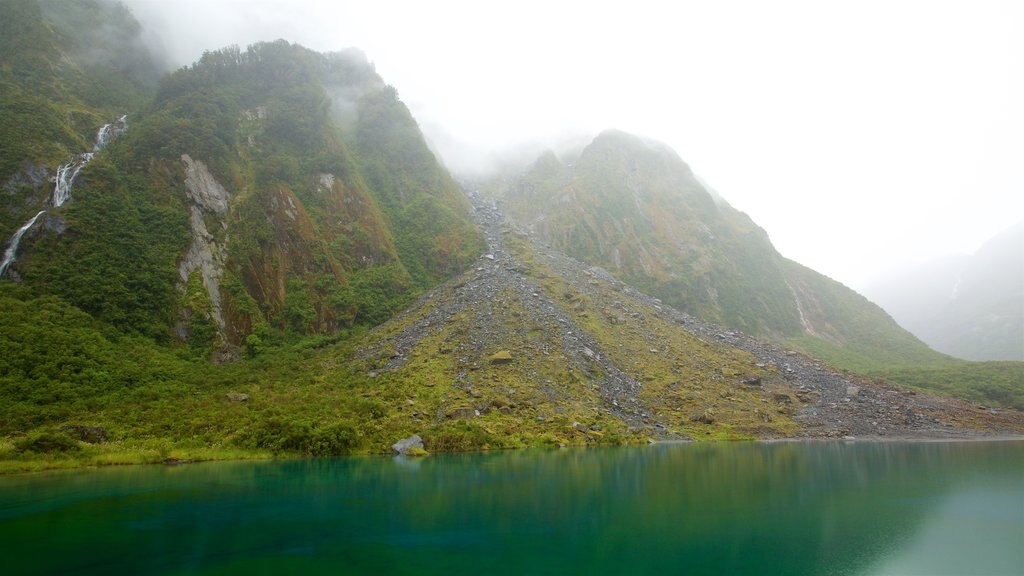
[(826, 403)]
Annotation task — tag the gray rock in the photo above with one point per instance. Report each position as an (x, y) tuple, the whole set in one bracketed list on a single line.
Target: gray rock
[(236, 397), (205, 253), (402, 446), (202, 188)]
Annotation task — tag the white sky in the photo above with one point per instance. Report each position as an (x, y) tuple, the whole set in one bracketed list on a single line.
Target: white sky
[(862, 135)]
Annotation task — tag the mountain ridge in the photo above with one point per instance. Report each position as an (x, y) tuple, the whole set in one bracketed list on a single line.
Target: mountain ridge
[(634, 207), (268, 259)]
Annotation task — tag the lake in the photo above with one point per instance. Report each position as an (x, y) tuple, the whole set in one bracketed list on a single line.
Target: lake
[(829, 508)]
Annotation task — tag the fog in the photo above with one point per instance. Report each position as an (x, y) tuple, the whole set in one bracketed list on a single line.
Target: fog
[(861, 135)]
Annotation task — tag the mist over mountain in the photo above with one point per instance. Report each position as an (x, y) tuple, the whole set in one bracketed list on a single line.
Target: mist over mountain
[(970, 307), (258, 191), (633, 207), (259, 253)]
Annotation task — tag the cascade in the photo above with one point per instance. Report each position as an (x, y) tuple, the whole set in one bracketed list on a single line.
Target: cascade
[(66, 174), (108, 132), (12, 248), (68, 171), (65, 177)]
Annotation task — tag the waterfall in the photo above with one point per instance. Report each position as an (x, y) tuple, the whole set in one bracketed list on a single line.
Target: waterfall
[(108, 132), (66, 174), (68, 171), (65, 177), (12, 248)]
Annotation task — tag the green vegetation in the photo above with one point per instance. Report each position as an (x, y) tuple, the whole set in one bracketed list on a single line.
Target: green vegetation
[(634, 208), (318, 238), (302, 399), (185, 330), (989, 383), (338, 217)]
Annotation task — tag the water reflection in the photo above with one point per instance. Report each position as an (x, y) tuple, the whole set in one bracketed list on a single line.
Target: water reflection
[(787, 508)]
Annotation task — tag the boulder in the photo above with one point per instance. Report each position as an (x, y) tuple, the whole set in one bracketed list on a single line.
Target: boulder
[(411, 446), (236, 397), (463, 413), (501, 357), (706, 417), (781, 398)]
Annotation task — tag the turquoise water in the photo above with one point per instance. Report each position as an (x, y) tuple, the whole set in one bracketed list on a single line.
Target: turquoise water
[(750, 508)]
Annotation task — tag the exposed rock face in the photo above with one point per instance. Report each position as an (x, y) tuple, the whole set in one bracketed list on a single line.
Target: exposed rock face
[(202, 189), (205, 254), (404, 445), (33, 176)]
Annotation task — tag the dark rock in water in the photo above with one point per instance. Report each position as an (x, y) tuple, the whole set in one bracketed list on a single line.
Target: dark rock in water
[(405, 445), (90, 434), (236, 397)]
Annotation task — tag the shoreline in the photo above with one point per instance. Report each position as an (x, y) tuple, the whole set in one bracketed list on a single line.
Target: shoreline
[(31, 467)]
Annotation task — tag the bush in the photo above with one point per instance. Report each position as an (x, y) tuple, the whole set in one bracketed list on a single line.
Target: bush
[(46, 443), (457, 436), (335, 440)]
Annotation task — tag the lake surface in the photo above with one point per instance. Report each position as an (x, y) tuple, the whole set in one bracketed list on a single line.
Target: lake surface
[(748, 508)]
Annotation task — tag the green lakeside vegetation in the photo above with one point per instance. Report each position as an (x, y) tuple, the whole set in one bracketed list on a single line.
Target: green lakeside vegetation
[(340, 217)]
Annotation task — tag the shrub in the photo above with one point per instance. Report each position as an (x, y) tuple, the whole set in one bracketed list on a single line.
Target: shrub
[(47, 442)]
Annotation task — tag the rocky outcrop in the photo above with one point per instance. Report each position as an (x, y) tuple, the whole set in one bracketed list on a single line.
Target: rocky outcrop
[(202, 189), (408, 446), (35, 177), (205, 254)]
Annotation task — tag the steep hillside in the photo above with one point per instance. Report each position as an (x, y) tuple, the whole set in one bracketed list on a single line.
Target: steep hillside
[(633, 207), (276, 211), (969, 307), (259, 195), (66, 69), (527, 348), (534, 342)]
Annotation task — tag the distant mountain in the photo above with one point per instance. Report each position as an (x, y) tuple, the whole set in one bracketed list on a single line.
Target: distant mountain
[(970, 307), (633, 207)]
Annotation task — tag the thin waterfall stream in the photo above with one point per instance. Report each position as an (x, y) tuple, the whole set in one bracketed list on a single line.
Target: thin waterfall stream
[(63, 181)]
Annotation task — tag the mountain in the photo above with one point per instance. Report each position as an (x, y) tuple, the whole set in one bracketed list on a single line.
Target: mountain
[(258, 254), (633, 207), (968, 307), (529, 347), (254, 195)]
